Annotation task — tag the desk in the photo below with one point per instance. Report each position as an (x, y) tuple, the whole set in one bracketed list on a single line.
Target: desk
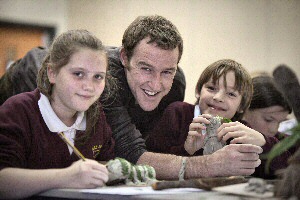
[(77, 194)]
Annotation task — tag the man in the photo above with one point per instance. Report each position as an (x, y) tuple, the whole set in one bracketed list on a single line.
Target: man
[(149, 79)]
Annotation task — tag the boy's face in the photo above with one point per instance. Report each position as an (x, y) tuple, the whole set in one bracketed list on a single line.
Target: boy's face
[(150, 73), (216, 99)]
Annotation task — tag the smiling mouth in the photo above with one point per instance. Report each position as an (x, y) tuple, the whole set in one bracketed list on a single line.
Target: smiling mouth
[(216, 108), (149, 93)]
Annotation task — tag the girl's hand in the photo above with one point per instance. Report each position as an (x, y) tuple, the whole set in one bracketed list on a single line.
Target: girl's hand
[(17, 183), (240, 134), (85, 174), (195, 138)]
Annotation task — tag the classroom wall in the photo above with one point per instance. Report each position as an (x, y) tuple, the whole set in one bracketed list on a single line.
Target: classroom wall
[(36, 12), (260, 34)]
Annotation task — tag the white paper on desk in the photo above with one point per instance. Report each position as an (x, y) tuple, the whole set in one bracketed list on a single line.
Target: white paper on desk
[(239, 189), (137, 190)]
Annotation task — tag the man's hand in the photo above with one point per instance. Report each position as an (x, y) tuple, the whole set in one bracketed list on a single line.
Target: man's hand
[(234, 160)]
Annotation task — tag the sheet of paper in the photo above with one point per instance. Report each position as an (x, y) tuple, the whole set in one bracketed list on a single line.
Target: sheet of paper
[(239, 189), (137, 190)]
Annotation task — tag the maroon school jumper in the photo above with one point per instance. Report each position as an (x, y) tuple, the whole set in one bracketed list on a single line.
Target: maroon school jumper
[(26, 141), (171, 132)]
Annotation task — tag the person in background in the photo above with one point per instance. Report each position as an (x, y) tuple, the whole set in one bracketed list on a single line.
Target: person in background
[(223, 89), (21, 75), (33, 156), (146, 67), (287, 81), (268, 108)]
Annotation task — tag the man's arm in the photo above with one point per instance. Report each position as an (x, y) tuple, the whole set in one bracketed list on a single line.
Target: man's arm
[(231, 160), (129, 143)]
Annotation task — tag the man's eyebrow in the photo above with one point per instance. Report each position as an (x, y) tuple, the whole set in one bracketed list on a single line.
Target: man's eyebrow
[(171, 69), (144, 63), (148, 65)]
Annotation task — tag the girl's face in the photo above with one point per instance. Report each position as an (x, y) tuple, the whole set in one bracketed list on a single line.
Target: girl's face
[(78, 84), (216, 99), (266, 120)]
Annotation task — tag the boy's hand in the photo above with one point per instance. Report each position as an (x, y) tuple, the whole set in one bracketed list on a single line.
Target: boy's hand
[(195, 138), (240, 134)]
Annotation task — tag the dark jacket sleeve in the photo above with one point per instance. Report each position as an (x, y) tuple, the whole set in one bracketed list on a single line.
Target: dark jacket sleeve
[(129, 143)]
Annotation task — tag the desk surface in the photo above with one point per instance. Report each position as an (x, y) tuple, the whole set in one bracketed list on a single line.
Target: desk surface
[(77, 194), (59, 194)]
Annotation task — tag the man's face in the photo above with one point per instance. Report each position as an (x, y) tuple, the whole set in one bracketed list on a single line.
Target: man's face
[(150, 73)]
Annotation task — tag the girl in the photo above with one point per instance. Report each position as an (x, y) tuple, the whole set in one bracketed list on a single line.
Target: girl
[(33, 157), (267, 109), (224, 89)]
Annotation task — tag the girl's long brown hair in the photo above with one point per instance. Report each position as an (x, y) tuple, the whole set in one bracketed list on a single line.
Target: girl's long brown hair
[(60, 52)]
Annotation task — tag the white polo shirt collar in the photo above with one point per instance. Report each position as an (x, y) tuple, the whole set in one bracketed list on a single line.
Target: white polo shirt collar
[(56, 125), (197, 112)]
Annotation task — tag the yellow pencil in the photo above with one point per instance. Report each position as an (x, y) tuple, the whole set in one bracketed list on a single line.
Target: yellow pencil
[(76, 151)]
